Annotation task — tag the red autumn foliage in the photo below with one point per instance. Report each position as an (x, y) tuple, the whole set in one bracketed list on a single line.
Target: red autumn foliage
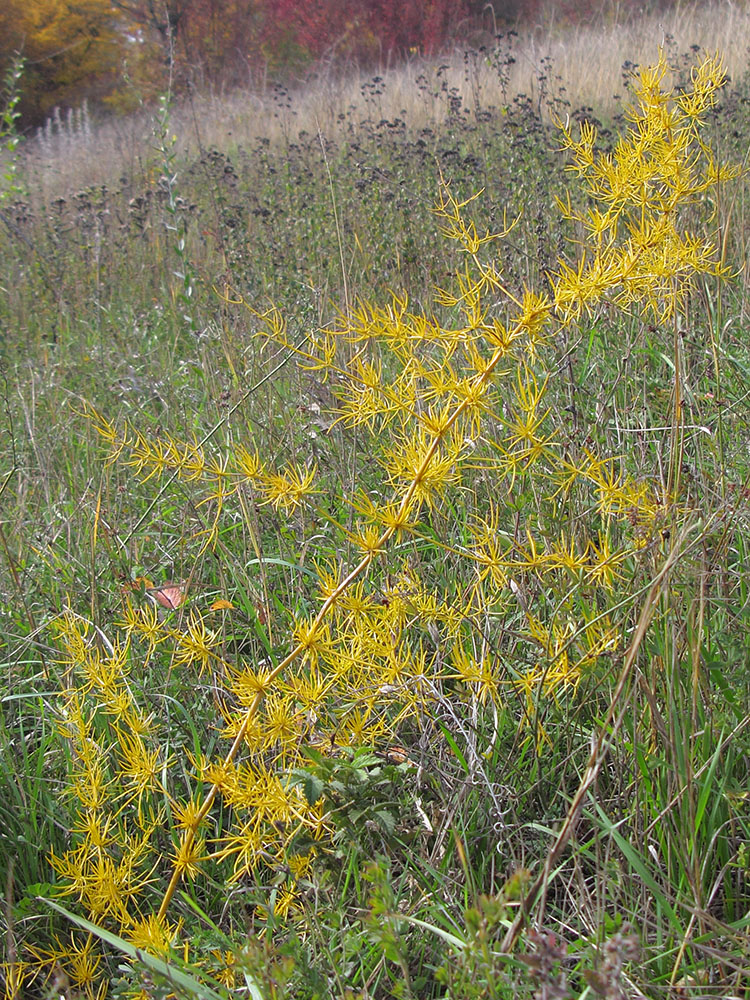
[(367, 28), (233, 41), (242, 41)]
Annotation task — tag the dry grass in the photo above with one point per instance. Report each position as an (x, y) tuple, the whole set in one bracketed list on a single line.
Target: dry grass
[(585, 61)]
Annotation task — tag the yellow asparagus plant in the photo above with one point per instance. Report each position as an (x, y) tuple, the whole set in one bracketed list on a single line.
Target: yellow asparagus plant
[(451, 414)]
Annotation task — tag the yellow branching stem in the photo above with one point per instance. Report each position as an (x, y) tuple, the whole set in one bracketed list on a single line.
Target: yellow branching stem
[(380, 547)]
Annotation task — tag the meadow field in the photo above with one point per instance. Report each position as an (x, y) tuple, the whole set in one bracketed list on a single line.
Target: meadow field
[(374, 531)]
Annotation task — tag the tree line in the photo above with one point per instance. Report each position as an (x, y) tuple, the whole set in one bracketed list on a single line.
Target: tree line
[(116, 53)]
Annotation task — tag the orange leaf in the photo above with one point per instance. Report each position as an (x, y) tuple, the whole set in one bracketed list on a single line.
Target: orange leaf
[(222, 605)]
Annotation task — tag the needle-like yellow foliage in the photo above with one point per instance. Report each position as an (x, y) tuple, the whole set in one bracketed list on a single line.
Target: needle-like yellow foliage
[(440, 404)]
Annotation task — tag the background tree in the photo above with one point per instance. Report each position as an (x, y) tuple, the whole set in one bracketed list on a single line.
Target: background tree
[(72, 51), (161, 16)]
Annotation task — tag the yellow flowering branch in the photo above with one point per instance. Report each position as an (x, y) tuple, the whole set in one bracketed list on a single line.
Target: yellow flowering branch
[(398, 520)]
